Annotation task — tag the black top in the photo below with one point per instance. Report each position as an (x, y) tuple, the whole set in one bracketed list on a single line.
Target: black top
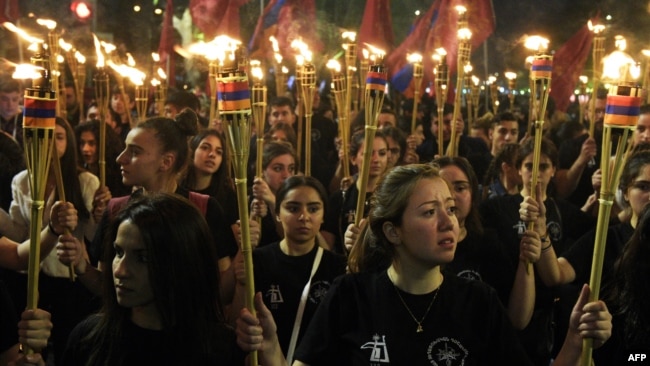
[(141, 346), (580, 255), (473, 149), (281, 279), (483, 258), (362, 321), (341, 211)]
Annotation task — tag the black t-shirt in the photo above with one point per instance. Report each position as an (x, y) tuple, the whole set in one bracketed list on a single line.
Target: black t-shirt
[(580, 255), (473, 149), (362, 321), (341, 211), (281, 279), (8, 321), (564, 224), (483, 258), (141, 346), (220, 227)]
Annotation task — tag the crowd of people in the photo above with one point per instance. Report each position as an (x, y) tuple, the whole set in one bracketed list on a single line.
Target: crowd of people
[(444, 266)]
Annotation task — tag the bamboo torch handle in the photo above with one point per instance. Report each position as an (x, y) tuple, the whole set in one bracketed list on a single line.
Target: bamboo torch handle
[(61, 193)]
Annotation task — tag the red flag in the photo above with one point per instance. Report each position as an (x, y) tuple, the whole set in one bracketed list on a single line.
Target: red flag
[(9, 11), (286, 20), (568, 62), (439, 28), (376, 26), (166, 46), (217, 17)]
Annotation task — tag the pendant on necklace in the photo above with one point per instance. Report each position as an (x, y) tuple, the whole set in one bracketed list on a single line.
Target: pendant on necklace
[(419, 329)]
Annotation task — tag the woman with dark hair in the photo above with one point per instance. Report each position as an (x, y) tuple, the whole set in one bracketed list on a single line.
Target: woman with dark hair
[(295, 265), (401, 308), (208, 171), (502, 176), (279, 162), (628, 293), (87, 135), (343, 203), (161, 300), (558, 224), (156, 154), (480, 255), (68, 302)]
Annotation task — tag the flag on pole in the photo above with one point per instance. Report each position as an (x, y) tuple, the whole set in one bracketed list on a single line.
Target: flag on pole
[(376, 26), (438, 28), (217, 17), (568, 62), (286, 20), (166, 45)]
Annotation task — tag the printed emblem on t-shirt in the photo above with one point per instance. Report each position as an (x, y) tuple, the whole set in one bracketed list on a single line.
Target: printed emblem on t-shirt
[(378, 350), (275, 296), (318, 290), (446, 351), (554, 230), (470, 274), (520, 226)]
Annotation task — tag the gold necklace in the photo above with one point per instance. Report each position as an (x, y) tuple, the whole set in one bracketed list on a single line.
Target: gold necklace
[(419, 329)]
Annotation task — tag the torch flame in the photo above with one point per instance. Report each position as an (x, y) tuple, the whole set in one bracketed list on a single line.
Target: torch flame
[(101, 62), (596, 28), (464, 34), (475, 80), (510, 75), (350, 36), (108, 47), (64, 45), (583, 79), (305, 53), (11, 27), (461, 9), (27, 71), (617, 65), (80, 57), (333, 65), (162, 74), (468, 68), (414, 57), (155, 82), (536, 43), (130, 60), (491, 79), (376, 54), (47, 23), (155, 56)]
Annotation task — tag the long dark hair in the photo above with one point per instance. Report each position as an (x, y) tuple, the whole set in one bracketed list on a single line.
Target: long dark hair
[(629, 291), (508, 154), (182, 275), (70, 171), (220, 184)]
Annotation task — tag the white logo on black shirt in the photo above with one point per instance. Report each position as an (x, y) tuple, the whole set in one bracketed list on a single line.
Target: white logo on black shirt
[(379, 351), (275, 296), (318, 290), (446, 351)]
